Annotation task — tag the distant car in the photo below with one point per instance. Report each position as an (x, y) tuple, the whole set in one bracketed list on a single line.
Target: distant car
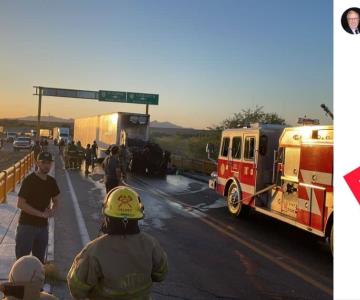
[(11, 136), (22, 142)]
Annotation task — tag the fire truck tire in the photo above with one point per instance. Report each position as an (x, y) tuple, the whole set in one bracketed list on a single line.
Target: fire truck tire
[(235, 206)]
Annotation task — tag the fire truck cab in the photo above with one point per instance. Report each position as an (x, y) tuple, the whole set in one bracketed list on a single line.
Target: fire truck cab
[(285, 173)]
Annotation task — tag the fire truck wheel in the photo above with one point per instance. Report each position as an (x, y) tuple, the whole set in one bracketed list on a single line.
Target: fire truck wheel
[(235, 207)]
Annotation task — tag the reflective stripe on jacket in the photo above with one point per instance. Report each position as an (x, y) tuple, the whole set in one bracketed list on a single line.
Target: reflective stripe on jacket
[(118, 267)]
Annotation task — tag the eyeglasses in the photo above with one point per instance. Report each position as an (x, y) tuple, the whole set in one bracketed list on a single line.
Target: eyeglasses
[(353, 19)]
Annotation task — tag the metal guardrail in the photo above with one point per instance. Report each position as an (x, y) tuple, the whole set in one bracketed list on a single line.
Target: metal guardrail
[(10, 177), (197, 165)]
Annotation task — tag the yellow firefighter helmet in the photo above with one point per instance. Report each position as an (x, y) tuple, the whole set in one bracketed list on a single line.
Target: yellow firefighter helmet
[(124, 203)]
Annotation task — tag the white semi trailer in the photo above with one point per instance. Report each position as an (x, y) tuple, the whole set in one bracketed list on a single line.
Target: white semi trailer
[(61, 133), (113, 128)]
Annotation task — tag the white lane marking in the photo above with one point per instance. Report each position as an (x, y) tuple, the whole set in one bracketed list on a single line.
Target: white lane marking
[(84, 235)]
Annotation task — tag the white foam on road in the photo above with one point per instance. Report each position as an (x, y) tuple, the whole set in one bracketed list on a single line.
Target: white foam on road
[(84, 234), (182, 183), (219, 203)]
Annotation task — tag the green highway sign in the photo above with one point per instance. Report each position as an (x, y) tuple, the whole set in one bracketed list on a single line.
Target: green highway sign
[(128, 97), (112, 96), (55, 92), (142, 98)]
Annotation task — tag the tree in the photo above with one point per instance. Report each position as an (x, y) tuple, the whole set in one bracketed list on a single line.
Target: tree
[(248, 116)]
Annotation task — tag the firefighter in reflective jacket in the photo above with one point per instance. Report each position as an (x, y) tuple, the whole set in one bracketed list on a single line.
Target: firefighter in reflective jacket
[(26, 280), (122, 263)]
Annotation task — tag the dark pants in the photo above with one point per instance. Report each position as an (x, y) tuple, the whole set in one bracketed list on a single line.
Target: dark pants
[(123, 171), (87, 165), (31, 239), (110, 184)]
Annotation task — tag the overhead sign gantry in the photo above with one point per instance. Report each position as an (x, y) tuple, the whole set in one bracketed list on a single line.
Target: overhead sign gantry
[(102, 95)]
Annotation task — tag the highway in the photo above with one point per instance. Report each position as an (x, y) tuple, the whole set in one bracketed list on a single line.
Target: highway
[(211, 254)]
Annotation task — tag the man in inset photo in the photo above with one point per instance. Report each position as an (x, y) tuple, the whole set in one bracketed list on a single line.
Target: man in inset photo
[(352, 18)]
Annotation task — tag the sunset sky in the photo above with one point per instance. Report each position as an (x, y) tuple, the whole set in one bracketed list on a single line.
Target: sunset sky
[(206, 59)]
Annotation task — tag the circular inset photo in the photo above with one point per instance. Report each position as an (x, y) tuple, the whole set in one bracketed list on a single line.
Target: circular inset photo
[(350, 20)]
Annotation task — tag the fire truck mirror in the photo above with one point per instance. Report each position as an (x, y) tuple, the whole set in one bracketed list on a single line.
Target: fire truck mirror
[(210, 148)]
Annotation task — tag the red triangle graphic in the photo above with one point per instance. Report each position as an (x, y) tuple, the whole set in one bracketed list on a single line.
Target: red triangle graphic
[(353, 181)]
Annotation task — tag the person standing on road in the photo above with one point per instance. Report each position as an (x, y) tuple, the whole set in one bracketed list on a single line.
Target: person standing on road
[(61, 147), (26, 280), (38, 200), (112, 169), (88, 158), (123, 159), (44, 145), (80, 154), (94, 148), (124, 262), (70, 155), (37, 149)]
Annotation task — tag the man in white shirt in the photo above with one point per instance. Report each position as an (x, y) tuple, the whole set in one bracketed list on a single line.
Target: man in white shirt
[(353, 22)]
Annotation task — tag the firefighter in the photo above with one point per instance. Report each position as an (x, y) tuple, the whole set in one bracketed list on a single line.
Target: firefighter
[(70, 155), (26, 280), (61, 147), (111, 166), (80, 154), (124, 161), (88, 158), (165, 162), (122, 263), (94, 148)]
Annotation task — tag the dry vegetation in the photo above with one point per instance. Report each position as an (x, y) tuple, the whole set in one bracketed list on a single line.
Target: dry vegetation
[(9, 157), (192, 146)]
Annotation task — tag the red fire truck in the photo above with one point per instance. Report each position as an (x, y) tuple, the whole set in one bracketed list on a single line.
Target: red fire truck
[(285, 173)]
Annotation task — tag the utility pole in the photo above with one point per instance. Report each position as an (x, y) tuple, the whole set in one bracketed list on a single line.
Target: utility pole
[(39, 113)]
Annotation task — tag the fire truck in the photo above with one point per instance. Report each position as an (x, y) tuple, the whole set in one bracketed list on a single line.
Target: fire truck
[(284, 173)]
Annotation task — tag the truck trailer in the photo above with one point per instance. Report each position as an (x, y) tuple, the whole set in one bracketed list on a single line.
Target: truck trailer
[(124, 128), (45, 133), (119, 128), (61, 133)]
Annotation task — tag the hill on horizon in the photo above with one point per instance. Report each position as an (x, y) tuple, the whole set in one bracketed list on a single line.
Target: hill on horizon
[(157, 124), (54, 119), (47, 119)]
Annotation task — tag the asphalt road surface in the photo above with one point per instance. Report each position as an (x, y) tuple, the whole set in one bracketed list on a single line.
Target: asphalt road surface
[(211, 254)]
